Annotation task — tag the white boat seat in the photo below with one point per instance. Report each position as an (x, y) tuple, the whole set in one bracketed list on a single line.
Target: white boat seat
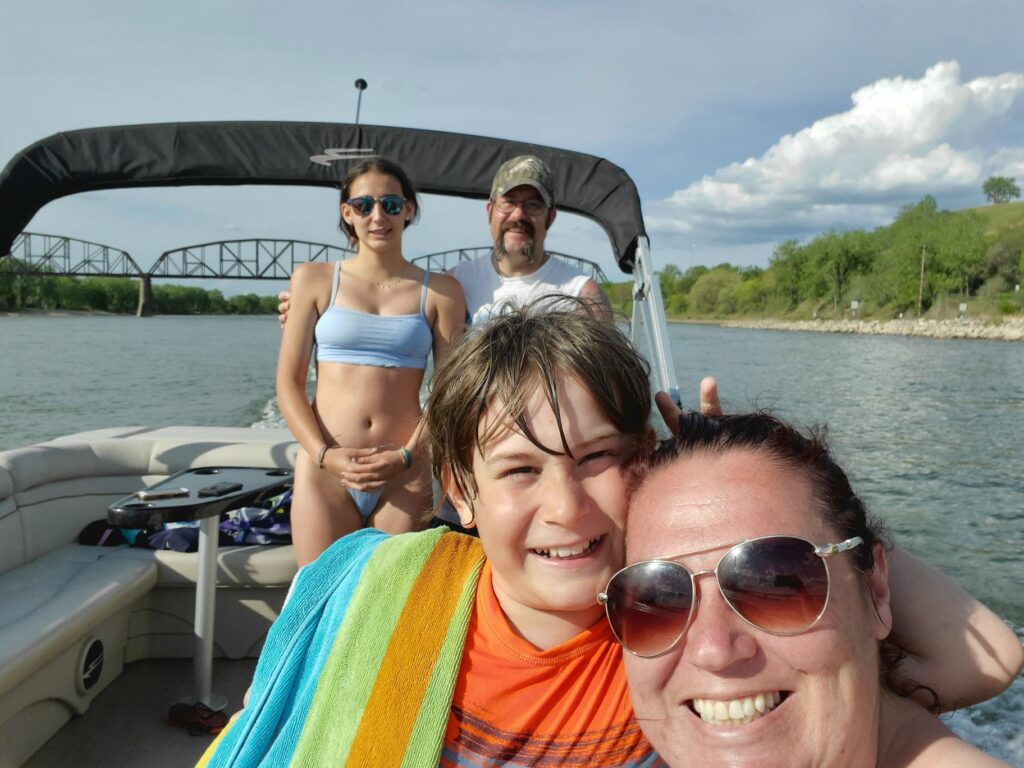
[(50, 604), (246, 566)]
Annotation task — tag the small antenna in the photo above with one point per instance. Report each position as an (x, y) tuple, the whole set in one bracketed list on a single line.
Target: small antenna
[(360, 86)]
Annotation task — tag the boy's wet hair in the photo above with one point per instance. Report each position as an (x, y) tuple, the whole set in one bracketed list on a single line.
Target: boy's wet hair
[(503, 363)]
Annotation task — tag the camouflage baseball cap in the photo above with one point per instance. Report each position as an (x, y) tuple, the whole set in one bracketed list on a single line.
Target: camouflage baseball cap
[(528, 170)]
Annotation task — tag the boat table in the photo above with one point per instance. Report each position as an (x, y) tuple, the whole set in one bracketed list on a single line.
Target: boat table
[(202, 494)]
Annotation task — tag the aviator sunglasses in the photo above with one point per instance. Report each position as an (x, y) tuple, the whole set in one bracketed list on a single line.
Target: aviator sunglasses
[(392, 204), (779, 584)]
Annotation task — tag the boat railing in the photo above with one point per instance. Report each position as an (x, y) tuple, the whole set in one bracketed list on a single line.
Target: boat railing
[(649, 324)]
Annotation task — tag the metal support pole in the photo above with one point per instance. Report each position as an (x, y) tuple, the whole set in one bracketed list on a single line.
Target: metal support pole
[(206, 588), (360, 86), (647, 297), (146, 301)]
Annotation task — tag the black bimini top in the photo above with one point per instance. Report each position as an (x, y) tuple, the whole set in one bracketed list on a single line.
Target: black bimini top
[(302, 154)]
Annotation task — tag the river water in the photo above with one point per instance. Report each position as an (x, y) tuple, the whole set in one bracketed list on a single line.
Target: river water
[(931, 431)]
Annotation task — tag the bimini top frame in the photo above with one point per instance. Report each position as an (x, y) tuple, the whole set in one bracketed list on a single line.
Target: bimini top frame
[(319, 154)]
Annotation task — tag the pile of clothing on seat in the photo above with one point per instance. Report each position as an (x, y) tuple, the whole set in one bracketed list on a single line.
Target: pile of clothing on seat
[(266, 524)]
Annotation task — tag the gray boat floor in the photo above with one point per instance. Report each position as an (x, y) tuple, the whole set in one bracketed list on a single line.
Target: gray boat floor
[(127, 723)]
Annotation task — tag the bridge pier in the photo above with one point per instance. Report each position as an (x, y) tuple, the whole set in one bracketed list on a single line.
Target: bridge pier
[(146, 301)]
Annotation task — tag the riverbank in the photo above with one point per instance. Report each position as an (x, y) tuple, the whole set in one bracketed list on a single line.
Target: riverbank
[(104, 313), (1006, 330), (57, 313)]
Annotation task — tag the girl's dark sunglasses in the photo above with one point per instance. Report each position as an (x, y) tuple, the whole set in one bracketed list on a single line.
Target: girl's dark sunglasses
[(779, 584), (392, 204)]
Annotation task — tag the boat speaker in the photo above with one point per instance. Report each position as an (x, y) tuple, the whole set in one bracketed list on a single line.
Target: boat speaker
[(90, 665)]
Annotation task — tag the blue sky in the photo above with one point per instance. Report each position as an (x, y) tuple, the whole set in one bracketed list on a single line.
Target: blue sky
[(742, 123)]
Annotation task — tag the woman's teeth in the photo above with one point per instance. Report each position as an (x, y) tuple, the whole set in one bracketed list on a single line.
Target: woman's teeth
[(561, 553), (736, 711)]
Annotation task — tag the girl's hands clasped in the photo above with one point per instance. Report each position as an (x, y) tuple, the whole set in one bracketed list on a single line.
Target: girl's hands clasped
[(364, 469)]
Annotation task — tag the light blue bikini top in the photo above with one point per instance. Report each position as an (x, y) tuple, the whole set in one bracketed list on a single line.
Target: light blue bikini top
[(360, 338)]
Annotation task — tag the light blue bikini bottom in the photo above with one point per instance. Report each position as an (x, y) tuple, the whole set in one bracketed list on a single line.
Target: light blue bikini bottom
[(365, 501)]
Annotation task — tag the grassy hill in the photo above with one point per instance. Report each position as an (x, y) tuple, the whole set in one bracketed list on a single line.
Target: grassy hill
[(1004, 221)]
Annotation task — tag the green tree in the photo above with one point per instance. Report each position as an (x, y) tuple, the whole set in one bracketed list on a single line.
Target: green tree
[(706, 292), (745, 297), (999, 189), (960, 256), (898, 266), (785, 271), (838, 257), (1002, 261), (667, 278), (244, 304), (678, 305)]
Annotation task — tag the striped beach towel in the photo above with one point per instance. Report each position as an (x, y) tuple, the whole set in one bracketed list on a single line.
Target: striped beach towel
[(360, 667)]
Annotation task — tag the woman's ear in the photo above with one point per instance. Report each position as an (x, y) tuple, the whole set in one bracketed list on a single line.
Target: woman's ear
[(878, 590), (457, 498)]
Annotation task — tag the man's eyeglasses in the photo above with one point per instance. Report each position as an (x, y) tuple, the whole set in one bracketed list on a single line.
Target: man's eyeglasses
[(779, 584), (392, 204), (531, 206)]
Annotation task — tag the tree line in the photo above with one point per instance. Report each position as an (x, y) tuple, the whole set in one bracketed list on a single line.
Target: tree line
[(119, 295), (924, 257)]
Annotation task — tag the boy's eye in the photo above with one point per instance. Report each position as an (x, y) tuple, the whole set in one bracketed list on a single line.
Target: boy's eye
[(597, 455), (518, 471)]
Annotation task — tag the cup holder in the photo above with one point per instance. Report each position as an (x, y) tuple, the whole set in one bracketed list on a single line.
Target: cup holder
[(279, 473), (138, 505), (206, 471)]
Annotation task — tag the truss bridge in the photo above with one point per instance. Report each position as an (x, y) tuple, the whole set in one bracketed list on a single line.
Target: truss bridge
[(34, 253)]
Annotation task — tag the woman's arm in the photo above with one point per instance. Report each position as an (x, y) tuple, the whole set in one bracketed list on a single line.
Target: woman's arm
[(955, 645), (450, 324), (310, 290)]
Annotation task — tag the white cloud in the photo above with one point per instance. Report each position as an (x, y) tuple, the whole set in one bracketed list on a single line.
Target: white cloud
[(902, 139)]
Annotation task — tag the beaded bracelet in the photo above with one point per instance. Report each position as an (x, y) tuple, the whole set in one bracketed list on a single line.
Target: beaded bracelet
[(406, 457), (323, 452)]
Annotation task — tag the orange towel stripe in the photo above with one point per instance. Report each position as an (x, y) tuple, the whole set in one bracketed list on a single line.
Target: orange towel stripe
[(394, 704)]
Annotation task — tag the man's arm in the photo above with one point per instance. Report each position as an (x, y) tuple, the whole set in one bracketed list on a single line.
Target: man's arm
[(285, 303), (709, 404), (592, 292), (955, 645)]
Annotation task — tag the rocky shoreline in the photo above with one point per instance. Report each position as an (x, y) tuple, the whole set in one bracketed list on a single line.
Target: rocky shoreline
[(1006, 330)]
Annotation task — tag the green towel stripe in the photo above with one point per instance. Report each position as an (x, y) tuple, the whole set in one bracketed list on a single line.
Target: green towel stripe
[(427, 737), (345, 685)]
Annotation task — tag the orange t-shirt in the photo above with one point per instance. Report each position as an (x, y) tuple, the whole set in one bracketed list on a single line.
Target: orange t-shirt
[(517, 705)]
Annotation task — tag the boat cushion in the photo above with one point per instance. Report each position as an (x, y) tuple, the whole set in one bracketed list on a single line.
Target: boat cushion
[(246, 566), (50, 604)]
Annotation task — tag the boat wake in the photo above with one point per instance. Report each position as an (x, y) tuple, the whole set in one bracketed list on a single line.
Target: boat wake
[(271, 417), (989, 725)]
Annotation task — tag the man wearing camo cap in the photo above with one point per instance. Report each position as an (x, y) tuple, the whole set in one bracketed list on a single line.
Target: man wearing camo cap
[(520, 211)]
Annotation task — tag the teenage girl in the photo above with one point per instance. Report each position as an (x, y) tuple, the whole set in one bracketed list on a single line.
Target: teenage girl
[(372, 321)]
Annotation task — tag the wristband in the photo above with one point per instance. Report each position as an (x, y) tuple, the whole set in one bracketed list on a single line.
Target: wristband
[(406, 457), (323, 452)]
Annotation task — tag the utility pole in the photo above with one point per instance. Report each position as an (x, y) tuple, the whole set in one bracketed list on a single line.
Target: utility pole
[(920, 289), (360, 86)]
